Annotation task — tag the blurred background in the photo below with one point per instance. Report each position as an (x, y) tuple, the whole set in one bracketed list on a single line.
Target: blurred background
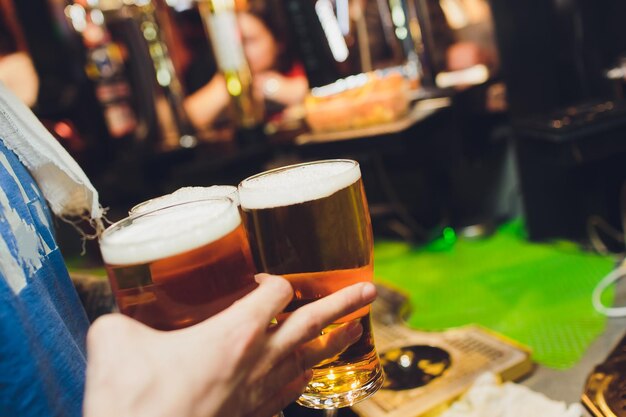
[(462, 112), (491, 134)]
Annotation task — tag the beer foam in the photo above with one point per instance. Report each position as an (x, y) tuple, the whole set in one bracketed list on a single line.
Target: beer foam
[(186, 194), (297, 184), (169, 232)]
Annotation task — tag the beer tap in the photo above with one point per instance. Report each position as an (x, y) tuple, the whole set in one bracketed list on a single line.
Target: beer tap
[(174, 123), (220, 21), (156, 90), (104, 65)]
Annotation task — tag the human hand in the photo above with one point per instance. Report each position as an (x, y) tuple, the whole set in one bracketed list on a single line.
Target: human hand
[(205, 105), (233, 364), (284, 90), (462, 55)]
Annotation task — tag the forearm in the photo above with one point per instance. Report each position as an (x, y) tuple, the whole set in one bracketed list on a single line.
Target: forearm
[(280, 89), (206, 104)]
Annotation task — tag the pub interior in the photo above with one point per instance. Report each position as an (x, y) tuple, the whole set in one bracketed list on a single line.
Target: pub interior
[(487, 133)]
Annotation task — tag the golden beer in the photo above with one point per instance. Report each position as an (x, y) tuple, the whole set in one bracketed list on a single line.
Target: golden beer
[(310, 223), (186, 194), (174, 267)]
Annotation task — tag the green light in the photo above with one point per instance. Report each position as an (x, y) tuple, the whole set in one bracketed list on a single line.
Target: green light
[(449, 235)]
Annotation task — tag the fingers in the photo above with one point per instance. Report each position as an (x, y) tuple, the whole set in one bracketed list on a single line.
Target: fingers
[(312, 353), (307, 322), (287, 353), (264, 303), (284, 397), (244, 325), (330, 344)]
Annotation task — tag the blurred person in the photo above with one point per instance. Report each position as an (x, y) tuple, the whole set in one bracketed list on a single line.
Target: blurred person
[(233, 364), (277, 76), (449, 49), (465, 54), (16, 67), (471, 23)]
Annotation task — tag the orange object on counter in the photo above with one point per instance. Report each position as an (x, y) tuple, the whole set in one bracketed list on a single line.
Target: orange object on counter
[(379, 99)]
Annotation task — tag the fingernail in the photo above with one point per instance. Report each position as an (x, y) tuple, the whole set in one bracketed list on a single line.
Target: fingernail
[(354, 330), (369, 291)]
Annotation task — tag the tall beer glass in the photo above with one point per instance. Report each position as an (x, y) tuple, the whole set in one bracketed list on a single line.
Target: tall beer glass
[(310, 223), (187, 194), (176, 266)]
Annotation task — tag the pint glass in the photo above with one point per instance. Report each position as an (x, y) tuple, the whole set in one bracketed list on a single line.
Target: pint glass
[(310, 223), (187, 194), (176, 266)]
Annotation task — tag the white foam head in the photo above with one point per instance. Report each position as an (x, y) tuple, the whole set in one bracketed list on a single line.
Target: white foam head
[(187, 194), (169, 231), (297, 183)]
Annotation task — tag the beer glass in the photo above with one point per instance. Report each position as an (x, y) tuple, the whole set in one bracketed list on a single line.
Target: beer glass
[(186, 194), (176, 266), (310, 223)]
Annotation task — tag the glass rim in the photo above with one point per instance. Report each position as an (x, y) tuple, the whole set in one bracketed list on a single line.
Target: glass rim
[(133, 217), (147, 202), (272, 171)]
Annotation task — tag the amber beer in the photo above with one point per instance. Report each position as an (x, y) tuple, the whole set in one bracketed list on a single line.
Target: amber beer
[(310, 223), (174, 267)]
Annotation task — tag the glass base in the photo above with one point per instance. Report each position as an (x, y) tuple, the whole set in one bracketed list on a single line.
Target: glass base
[(343, 399)]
